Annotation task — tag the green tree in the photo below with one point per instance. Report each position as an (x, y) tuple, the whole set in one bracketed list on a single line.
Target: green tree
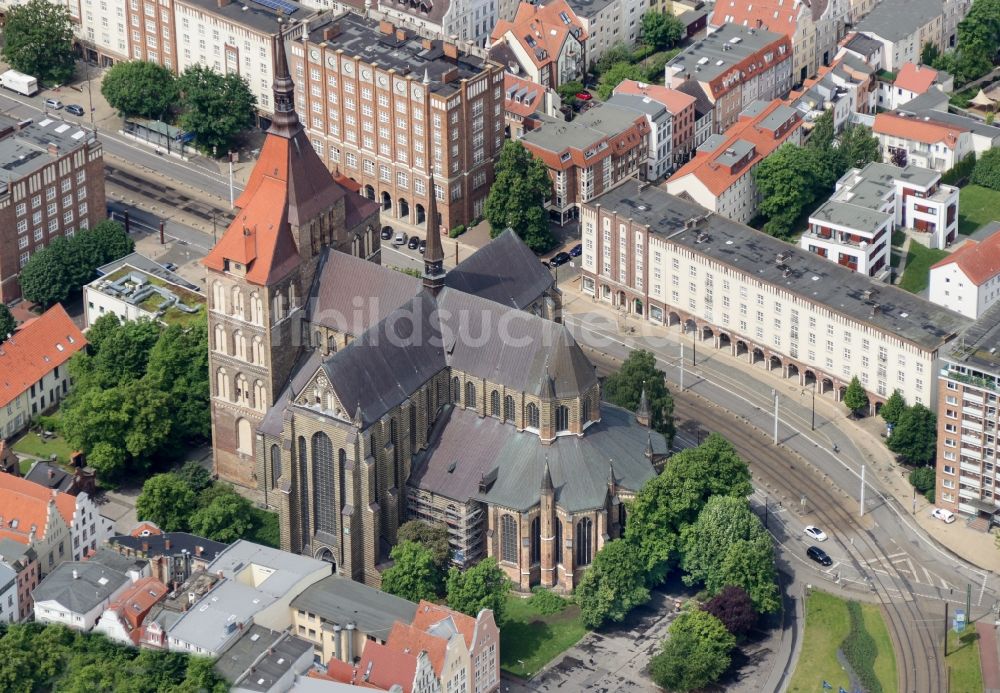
[(662, 30), (483, 586), (728, 545), (695, 655), (923, 479), (668, 502), (102, 328), (856, 148), (140, 88), (195, 476), (615, 75), (613, 585), (517, 198), (568, 91), (124, 353), (618, 53), (823, 132), (733, 606), (433, 537), (167, 500), (893, 408), (7, 322), (178, 365), (216, 107), (226, 518), (413, 574), (978, 41), (915, 436), (38, 40), (624, 389), (855, 397), (987, 170), (929, 53), (46, 279), (789, 181)]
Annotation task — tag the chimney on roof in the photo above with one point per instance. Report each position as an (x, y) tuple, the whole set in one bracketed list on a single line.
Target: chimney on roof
[(223, 3), (876, 309), (198, 550), (53, 149), (52, 474), (400, 34), (427, 44), (450, 50), (166, 544), (331, 32), (145, 546), (386, 27), (449, 75)]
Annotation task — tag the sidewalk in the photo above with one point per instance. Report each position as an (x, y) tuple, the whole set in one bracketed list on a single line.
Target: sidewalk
[(989, 656)]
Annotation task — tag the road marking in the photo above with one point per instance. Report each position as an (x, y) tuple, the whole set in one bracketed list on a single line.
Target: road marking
[(930, 578), (897, 555)]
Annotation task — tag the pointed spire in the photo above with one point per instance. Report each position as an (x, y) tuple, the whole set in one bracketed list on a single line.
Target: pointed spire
[(358, 419), (285, 122), (547, 477), (644, 414), (427, 76), (649, 446), (434, 253), (612, 479)]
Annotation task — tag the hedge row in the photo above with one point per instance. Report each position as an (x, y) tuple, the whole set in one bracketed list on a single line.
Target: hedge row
[(859, 649)]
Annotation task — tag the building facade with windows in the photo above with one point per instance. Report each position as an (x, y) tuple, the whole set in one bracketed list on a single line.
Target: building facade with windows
[(544, 43), (388, 109), (152, 32), (932, 139), (53, 185), (681, 108), (24, 562), (674, 263), (968, 280), (904, 26)]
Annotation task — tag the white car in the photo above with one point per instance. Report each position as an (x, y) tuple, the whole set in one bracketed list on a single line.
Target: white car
[(943, 514), (815, 533)]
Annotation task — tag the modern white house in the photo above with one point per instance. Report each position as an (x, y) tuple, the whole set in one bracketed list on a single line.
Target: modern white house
[(136, 287), (76, 593), (968, 280)]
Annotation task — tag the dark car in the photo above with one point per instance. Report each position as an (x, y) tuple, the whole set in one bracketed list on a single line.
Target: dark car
[(413, 243), (423, 246), (74, 109), (576, 251), (559, 259), (819, 555), (387, 232)]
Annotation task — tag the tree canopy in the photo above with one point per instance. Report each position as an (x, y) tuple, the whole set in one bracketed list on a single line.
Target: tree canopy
[(978, 43), (140, 88), (616, 74), (7, 322), (613, 585), (433, 537), (226, 516), (733, 606), (216, 107), (987, 170), (38, 41), (662, 30), (517, 198), (624, 389), (483, 586), (855, 397), (893, 408), (166, 500), (413, 574), (695, 655), (915, 435)]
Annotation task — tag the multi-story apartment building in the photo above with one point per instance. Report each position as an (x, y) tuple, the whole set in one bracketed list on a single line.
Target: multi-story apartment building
[(659, 157), (735, 66), (468, 21), (389, 109), (103, 31), (904, 26), (609, 23), (545, 43), (854, 227), (932, 139), (813, 27), (845, 88), (24, 562), (671, 262), (720, 176), (35, 373), (589, 154), (968, 478), (53, 184), (524, 101), (152, 32), (681, 108), (968, 280)]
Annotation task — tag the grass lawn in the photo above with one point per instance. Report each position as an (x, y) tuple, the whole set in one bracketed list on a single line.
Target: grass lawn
[(885, 659), (963, 662), (535, 639), (33, 444), (977, 206), (916, 274)]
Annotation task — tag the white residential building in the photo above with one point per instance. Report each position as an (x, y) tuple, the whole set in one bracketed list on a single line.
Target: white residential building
[(76, 593), (608, 23), (10, 604), (932, 139), (904, 26), (135, 287), (660, 120), (669, 261), (103, 32), (912, 81), (968, 280)]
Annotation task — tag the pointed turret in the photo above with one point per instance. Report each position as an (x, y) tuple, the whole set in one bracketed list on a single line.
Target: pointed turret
[(649, 446), (286, 121), (434, 253), (547, 486), (644, 415), (612, 479)]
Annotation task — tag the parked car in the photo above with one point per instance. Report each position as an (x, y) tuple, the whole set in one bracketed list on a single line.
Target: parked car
[(815, 533), (576, 251), (423, 246), (943, 514), (559, 259), (387, 232), (414, 243), (819, 555), (54, 104), (169, 266), (74, 109), (584, 96), (400, 239)]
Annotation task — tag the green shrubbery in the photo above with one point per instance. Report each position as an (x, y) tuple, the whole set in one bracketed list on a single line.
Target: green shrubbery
[(859, 649), (957, 174), (987, 170), (547, 602), (457, 231)]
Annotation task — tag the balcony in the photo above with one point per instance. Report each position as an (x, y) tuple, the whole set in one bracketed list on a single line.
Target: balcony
[(972, 440), (968, 493), (969, 424), (975, 453), (971, 467), (975, 483), (970, 399)]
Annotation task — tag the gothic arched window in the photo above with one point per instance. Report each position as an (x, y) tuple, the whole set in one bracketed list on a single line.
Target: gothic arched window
[(562, 418), (244, 437), (508, 408), (220, 340), (508, 539), (456, 390), (275, 465), (323, 484), (495, 404), (584, 540), (342, 477), (585, 411), (559, 542), (303, 474), (536, 540), (470, 395), (532, 416)]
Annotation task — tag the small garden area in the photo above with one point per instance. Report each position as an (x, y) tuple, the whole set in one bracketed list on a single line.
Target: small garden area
[(536, 630), (34, 444), (977, 206), (858, 633), (962, 661), (916, 274)]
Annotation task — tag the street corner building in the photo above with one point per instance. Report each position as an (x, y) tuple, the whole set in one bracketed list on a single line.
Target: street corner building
[(351, 397)]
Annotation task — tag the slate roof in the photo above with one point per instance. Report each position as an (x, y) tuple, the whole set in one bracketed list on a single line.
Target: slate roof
[(259, 658), (50, 476), (341, 601), (894, 20), (156, 544), (505, 271), (579, 466), (863, 45), (93, 584)]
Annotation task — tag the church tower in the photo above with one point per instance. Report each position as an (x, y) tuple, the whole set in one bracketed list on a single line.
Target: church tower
[(260, 273)]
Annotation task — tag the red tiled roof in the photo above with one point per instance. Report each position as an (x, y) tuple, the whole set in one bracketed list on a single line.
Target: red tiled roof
[(24, 504), (429, 614), (405, 638), (779, 16), (384, 666), (919, 130), (543, 25), (978, 261), (35, 349), (717, 177), (145, 526), (524, 88), (915, 78), (134, 603), (674, 101)]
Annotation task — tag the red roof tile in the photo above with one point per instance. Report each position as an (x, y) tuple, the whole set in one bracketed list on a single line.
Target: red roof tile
[(978, 261), (135, 602), (674, 101), (780, 16), (543, 25), (384, 666), (36, 348), (25, 504), (429, 614), (915, 78), (405, 638), (525, 88), (919, 130)]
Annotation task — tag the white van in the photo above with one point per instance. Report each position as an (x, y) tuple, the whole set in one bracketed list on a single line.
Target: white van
[(19, 82)]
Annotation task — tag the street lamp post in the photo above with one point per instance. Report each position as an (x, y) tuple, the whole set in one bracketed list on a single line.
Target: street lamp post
[(813, 426), (774, 393)]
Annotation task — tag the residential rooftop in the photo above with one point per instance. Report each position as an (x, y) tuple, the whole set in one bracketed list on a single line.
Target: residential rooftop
[(259, 658), (605, 120), (259, 16), (149, 266), (805, 274), (711, 56), (170, 544), (37, 348), (978, 347), (29, 145), (897, 19), (79, 586), (162, 300), (341, 601)]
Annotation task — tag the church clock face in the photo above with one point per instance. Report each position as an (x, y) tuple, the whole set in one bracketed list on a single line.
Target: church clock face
[(400, 87), (348, 68), (382, 80), (332, 62), (418, 93), (314, 54), (366, 74)]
